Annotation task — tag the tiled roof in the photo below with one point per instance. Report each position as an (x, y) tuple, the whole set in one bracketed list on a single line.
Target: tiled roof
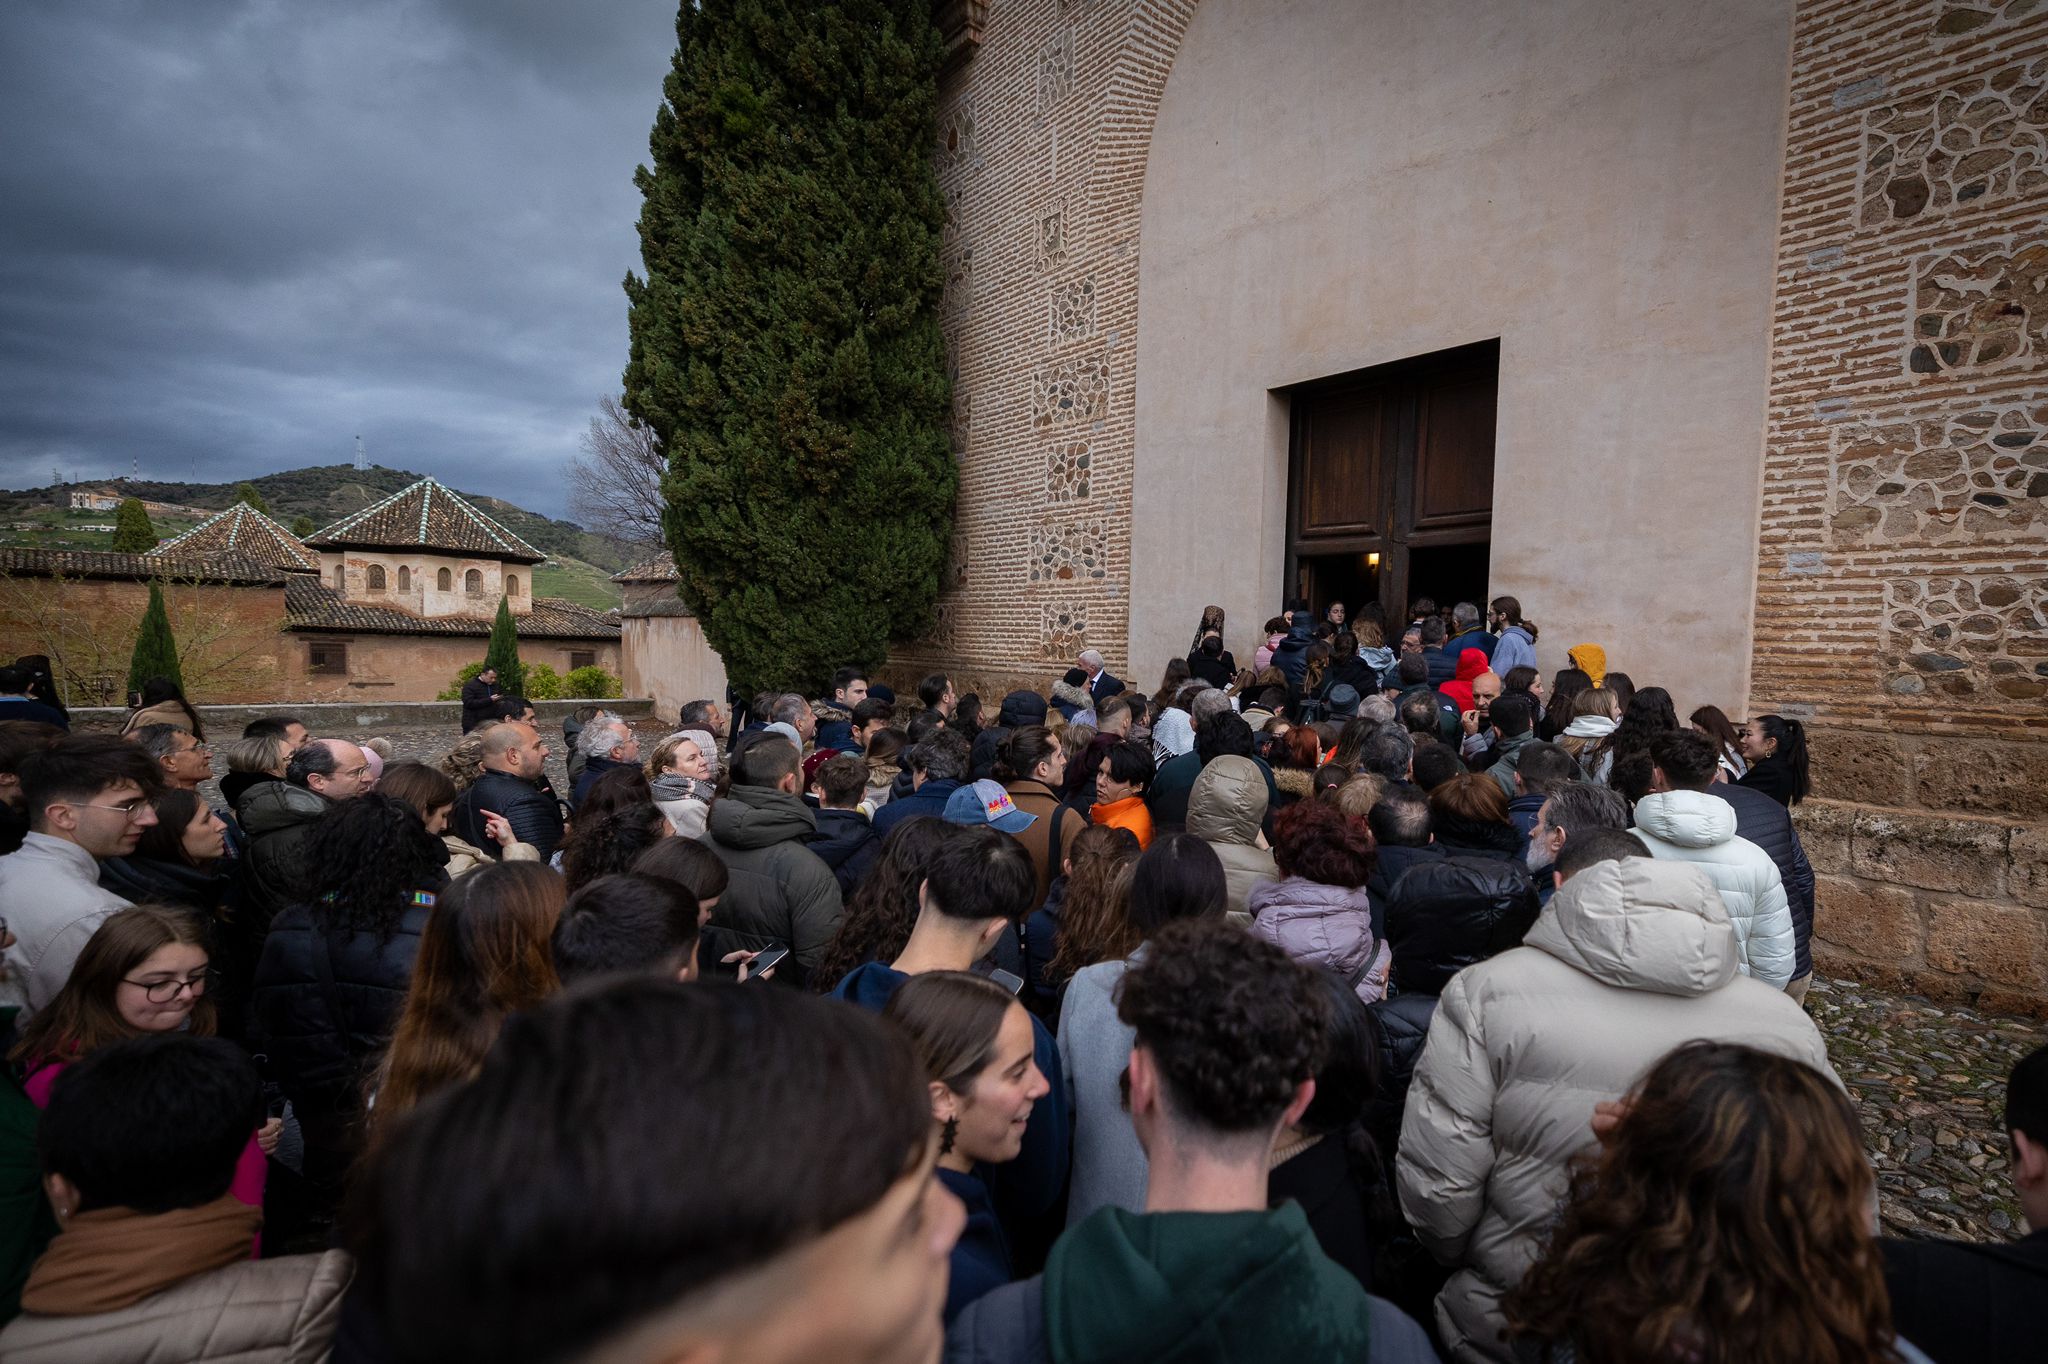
[(426, 516), (660, 569), (310, 604), (92, 563), (244, 531)]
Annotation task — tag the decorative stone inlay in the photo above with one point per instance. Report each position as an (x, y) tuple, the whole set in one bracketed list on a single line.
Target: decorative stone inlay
[(1969, 476), (1954, 19), (1070, 391), (1052, 236), (1966, 634), (1062, 629), (958, 293), (1056, 70), (1977, 310), (960, 138), (962, 420), (1073, 310), (1065, 552), (1067, 471), (1984, 140)]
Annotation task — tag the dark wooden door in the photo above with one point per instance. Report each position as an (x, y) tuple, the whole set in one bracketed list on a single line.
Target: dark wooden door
[(1389, 459)]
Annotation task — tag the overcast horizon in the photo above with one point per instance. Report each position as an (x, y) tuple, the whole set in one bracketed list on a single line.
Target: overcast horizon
[(241, 233)]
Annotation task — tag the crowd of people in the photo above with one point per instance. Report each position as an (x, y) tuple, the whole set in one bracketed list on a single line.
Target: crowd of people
[(1375, 1002)]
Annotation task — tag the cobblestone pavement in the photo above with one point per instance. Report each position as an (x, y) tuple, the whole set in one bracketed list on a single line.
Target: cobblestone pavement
[(1929, 1083), (1928, 1080)]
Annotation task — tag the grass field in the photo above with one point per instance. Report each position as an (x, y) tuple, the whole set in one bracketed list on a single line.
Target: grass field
[(576, 581)]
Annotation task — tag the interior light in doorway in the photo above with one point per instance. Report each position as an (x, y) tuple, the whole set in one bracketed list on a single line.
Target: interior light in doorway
[(1372, 561)]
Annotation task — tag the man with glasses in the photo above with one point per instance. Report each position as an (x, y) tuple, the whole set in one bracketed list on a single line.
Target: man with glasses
[(278, 817), (88, 798), (185, 761)]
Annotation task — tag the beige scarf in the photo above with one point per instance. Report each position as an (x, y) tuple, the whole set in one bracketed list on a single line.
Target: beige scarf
[(110, 1258)]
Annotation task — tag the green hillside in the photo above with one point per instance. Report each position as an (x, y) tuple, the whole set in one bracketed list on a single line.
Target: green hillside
[(584, 561)]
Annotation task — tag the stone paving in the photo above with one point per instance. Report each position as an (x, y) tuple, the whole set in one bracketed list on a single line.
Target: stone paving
[(1928, 1080)]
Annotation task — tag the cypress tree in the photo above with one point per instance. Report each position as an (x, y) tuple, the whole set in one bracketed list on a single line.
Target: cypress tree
[(503, 653), (156, 653), (785, 338), (133, 534), (246, 492)]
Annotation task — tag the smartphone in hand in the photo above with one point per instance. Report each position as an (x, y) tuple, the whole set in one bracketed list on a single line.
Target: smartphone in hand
[(765, 960)]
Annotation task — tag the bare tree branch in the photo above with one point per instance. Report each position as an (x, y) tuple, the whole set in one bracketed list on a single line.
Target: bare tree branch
[(617, 488)]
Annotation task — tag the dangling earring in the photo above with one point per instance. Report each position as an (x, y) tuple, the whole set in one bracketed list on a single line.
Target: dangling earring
[(947, 1132)]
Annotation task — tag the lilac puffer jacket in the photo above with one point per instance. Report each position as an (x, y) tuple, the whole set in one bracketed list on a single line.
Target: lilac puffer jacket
[(1326, 926)]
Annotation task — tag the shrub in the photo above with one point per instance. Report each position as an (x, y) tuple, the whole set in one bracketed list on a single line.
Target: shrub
[(543, 683), (589, 682)]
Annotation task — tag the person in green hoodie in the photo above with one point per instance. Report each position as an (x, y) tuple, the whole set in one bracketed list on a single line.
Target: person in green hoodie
[(1229, 1033)]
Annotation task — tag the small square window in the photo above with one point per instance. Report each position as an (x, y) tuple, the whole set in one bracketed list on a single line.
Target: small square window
[(582, 658), (327, 660)]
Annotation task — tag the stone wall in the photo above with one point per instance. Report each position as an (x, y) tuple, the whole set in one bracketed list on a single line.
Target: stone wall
[(228, 637), (1902, 603)]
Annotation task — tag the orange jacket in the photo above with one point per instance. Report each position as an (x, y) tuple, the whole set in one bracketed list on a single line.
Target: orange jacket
[(1128, 813)]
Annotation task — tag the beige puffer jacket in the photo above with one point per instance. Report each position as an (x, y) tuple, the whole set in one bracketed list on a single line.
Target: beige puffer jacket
[(465, 857), (1225, 808), (1631, 959), (281, 1311)]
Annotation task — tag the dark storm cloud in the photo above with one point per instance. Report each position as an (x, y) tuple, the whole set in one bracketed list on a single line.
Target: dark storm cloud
[(235, 234)]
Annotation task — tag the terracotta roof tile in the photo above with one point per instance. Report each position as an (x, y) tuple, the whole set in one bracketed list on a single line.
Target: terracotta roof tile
[(426, 516), (91, 563), (660, 569), (244, 531), (312, 605)]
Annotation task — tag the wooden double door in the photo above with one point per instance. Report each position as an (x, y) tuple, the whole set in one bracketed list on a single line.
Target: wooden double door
[(1390, 482)]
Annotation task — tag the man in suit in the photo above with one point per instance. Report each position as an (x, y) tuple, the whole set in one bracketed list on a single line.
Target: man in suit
[(1101, 686)]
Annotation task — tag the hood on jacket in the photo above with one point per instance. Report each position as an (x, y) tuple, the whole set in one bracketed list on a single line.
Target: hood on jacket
[(831, 712), (1021, 708), (1073, 694), (1689, 819), (1328, 925), (1228, 801), (1642, 924), (1591, 660), (1589, 727), (1199, 1285), (1471, 663), (1378, 657), (269, 806), (759, 817), (1449, 913)]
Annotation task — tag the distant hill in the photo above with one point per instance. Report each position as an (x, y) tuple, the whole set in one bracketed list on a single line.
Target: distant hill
[(583, 564), (328, 492)]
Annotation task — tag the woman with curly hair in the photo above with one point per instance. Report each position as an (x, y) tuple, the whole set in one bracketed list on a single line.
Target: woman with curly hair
[(329, 985), (1725, 1219), (483, 955), (879, 917), (1319, 911), (612, 842), (1179, 877)]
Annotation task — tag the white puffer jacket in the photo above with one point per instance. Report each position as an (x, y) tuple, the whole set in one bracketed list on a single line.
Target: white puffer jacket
[(1631, 959), (1692, 826)]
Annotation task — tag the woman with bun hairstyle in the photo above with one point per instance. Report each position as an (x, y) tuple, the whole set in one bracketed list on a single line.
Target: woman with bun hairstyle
[(1031, 763)]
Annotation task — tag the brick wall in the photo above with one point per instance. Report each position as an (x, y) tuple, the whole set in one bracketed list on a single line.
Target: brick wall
[(1902, 579), (1043, 135)]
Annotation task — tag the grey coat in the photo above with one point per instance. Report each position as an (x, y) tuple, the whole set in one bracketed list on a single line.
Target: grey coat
[(1095, 1046), (781, 891)]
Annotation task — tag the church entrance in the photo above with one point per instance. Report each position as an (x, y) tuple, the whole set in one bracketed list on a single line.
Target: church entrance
[(1390, 482)]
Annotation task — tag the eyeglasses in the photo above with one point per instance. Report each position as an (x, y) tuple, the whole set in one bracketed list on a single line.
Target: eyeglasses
[(164, 991), (130, 808), (353, 771)]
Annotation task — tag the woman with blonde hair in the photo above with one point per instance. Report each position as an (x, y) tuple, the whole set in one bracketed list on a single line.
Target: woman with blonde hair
[(484, 955), (684, 781), (1723, 1219), (1596, 713)]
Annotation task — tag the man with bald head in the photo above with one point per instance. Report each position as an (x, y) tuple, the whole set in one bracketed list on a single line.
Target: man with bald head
[(278, 818), (513, 784)]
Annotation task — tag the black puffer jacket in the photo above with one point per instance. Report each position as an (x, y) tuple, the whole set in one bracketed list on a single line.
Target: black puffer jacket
[(324, 1030), (278, 819), (1387, 867), (1442, 917), (535, 815), (1021, 709), (849, 845), (1764, 822)]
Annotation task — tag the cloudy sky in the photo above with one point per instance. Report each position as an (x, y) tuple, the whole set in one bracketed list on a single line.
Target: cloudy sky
[(238, 233)]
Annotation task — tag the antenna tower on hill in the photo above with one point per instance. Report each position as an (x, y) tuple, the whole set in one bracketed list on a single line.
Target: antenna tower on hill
[(362, 460)]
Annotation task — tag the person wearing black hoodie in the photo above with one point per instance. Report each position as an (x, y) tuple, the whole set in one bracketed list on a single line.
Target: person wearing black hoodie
[(1228, 1035), (1020, 710), (1969, 1303)]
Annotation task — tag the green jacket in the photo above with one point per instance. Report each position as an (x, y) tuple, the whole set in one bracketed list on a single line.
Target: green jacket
[(780, 891)]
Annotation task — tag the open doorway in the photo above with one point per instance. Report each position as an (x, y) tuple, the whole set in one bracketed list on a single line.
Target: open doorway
[(1390, 482)]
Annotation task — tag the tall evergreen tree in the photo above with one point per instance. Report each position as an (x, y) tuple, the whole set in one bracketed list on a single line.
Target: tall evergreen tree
[(156, 653), (503, 653), (246, 492), (133, 533), (302, 526), (785, 339)]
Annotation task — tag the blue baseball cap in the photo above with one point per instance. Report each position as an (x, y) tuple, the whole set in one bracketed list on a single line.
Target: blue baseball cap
[(986, 802)]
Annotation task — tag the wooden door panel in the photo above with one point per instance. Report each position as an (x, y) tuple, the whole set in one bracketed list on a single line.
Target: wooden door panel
[(1342, 462), (1454, 453)]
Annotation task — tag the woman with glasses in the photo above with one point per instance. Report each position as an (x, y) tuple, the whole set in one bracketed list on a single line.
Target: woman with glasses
[(145, 970)]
